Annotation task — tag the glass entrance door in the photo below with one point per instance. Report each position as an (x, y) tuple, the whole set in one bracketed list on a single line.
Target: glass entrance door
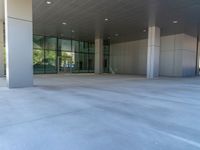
[(67, 62)]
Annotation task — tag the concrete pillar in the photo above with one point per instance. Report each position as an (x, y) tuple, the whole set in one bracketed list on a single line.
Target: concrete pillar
[(98, 55), (153, 52), (19, 52), (1, 50)]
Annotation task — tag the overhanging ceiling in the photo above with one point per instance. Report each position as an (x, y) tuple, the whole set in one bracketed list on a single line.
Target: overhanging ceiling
[(128, 18)]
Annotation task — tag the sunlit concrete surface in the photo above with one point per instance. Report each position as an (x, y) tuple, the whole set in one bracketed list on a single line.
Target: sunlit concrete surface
[(88, 112)]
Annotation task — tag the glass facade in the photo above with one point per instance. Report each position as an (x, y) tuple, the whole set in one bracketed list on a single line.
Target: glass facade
[(38, 54), (106, 57), (54, 55)]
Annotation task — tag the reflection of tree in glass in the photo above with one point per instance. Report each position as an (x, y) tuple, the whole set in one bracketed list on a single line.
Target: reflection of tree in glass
[(50, 57), (38, 57), (66, 58)]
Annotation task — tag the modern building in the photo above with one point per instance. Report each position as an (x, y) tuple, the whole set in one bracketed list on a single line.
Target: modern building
[(99, 74), (140, 37)]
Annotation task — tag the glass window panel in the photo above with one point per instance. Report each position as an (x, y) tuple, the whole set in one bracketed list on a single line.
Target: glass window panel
[(91, 48), (50, 43), (106, 49), (75, 46), (81, 62), (91, 62), (38, 61), (67, 62), (65, 45), (76, 59), (81, 47), (106, 63), (38, 42), (50, 61), (86, 47)]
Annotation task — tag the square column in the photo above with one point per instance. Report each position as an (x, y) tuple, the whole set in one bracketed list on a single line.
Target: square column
[(98, 55), (153, 52), (1, 50), (19, 51)]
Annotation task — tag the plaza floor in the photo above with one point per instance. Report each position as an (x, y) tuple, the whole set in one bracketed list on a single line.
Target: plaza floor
[(105, 112)]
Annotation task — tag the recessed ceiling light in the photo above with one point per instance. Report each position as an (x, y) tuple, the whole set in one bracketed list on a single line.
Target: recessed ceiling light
[(175, 21), (106, 19), (116, 34), (73, 31), (48, 2), (64, 23)]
